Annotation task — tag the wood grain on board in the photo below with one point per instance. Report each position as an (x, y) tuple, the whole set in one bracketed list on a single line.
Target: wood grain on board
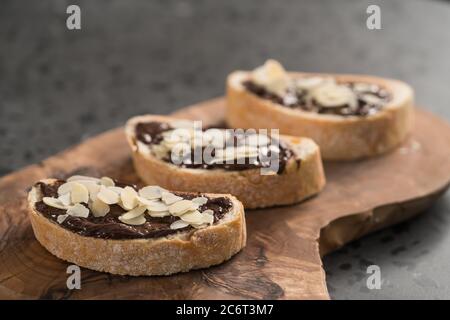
[(282, 259)]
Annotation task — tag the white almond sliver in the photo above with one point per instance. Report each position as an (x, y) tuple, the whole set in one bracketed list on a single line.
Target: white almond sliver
[(192, 217), (136, 212), (107, 182), (179, 224), (160, 214), (78, 210), (65, 188), (65, 199), (53, 202), (79, 193), (108, 196), (151, 192), (200, 200), (129, 198), (78, 177), (182, 206), (146, 202), (157, 207), (199, 226), (117, 190), (99, 208), (61, 218), (207, 218), (170, 198), (134, 222)]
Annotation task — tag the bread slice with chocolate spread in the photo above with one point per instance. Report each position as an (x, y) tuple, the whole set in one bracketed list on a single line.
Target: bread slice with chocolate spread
[(117, 228), (348, 116), (297, 167)]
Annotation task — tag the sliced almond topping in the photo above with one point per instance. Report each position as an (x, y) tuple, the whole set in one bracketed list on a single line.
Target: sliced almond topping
[(107, 182), (208, 212), (134, 222), (160, 214), (183, 206), (157, 206), (65, 199), (192, 217), (179, 224), (207, 218), (79, 193), (136, 212), (99, 208), (170, 198), (151, 192), (117, 190), (129, 198), (61, 218), (332, 96), (200, 200), (65, 188), (53, 202), (199, 226), (78, 177), (78, 210), (108, 196)]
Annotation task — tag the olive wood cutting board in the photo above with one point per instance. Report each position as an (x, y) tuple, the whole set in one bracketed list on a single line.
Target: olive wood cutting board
[(282, 259)]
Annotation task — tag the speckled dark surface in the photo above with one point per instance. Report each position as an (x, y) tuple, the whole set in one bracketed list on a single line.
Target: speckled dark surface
[(58, 87)]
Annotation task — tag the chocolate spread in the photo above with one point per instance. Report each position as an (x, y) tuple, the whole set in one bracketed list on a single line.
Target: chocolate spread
[(298, 100), (150, 133), (110, 227)]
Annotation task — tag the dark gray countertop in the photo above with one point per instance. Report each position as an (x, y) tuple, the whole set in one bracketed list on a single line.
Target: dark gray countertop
[(58, 87)]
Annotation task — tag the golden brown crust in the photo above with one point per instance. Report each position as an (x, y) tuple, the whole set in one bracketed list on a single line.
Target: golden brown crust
[(254, 190), (160, 256), (339, 138)]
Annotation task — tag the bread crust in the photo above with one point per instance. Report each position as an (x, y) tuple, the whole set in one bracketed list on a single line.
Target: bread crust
[(254, 190), (180, 252), (339, 138)]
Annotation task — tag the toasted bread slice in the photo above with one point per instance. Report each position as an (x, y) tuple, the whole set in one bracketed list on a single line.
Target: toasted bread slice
[(182, 251), (339, 137), (302, 177)]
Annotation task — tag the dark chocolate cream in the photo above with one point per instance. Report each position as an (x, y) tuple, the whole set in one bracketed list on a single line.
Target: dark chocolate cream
[(110, 227), (297, 99), (151, 133)]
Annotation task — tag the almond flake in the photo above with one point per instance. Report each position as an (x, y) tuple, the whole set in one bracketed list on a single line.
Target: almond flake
[(192, 217), (208, 211), (151, 192), (107, 182), (207, 218), (200, 200), (99, 208), (136, 212), (65, 199), (160, 214), (182, 206), (78, 177), (129, 198), (199, 226), (179, 224), (134, 222), (65, 188), (53, 202), (61, 218), (117, 190), (170, 198), (108, 196), (146, 202), (79, 193), (157, 206), (78, 210)]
